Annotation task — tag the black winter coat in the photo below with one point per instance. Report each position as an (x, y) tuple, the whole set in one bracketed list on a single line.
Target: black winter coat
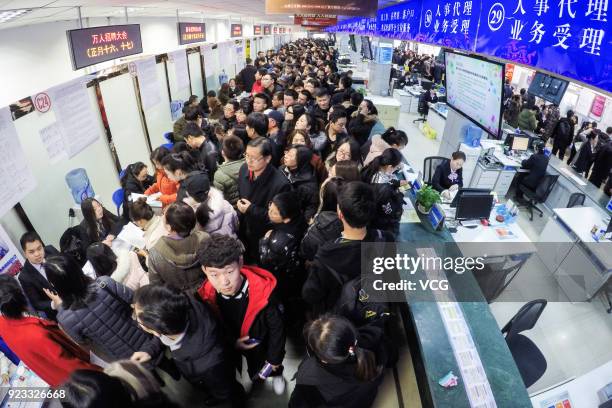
[(208, 156), (247, 77), (563, 133), (132, 185), (106, 322), (389, 207), (304, 182), (325, 227), (182, 191), (279, 252), (536, 165), (585, 159), (116, 225), (254, 223), (202, 347)]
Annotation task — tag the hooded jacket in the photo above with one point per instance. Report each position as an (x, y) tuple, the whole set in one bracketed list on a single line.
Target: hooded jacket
[(334, 386), (165, 186), (106, 322), (303, 180), (174, 262), (377, 147), (44, 348), (322, 289), (223, 219), (279, 252), (263, 319), (325, 227), (226, 180), (201, 348), (360, 126), (182, 191)]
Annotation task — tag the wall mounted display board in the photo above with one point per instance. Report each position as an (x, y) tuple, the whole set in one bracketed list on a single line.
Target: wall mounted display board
[(267, 29), (315, 20), (450, 24), (400, 21), (236, 30), (257, 30), (336, 7), (189, 33)]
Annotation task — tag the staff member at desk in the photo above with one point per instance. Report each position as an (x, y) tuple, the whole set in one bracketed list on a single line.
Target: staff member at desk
[(449, 173), (536, 164)]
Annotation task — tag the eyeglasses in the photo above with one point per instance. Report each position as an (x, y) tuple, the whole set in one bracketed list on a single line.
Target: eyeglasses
[(250, 159)]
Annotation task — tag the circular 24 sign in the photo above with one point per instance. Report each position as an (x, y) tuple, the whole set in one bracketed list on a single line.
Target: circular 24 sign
[(42, 102)]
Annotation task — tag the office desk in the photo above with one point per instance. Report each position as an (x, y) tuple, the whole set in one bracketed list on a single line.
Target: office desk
[(581, 265), (582, 391), (437, 119), (404, 98), (388, 109), (432, 350)]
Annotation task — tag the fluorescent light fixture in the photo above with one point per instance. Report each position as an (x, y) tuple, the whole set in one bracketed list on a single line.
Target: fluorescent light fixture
[(129, 10), (8, 15)]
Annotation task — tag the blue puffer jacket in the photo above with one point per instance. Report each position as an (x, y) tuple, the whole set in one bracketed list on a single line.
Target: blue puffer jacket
[(105, 323)]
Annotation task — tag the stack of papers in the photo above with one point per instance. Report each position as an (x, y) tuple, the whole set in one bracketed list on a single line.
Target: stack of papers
[(151, 200), (132, 235)]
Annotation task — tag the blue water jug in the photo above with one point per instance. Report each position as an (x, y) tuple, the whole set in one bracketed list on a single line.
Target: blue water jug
[(79, 185), (471, 135)]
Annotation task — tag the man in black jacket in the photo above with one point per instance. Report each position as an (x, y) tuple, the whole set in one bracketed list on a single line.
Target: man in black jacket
[(339, 261), (192, 334), (208, 154), (323, 104), (258, 182), (602, 165), (563, 134), (247, 75), (242, 296), (536, 164), (33, 278)]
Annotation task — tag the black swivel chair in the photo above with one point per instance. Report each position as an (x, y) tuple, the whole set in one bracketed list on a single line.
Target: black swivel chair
[(529, 359), (422, 108), (429, 167), (575, 199), (540, 194)]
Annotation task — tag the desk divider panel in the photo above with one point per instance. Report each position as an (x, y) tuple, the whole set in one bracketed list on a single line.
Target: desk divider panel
[(195, 73), (158, 117)]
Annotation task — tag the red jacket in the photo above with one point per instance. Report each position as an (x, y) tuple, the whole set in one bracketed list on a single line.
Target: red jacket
[(257, 88), (44, 348), (163, 185), (261, 285)]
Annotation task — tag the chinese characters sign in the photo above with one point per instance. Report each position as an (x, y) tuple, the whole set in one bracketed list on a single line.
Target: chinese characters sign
[(316, 20), (567, 37), (191, 33), (335, 7), (93, 45), (450, 23), (256, 30), (267, 29), (401, 21), (236, 30)]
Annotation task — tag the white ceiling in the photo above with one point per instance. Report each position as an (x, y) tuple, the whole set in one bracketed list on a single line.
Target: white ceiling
[(44, 11), (56, 10)]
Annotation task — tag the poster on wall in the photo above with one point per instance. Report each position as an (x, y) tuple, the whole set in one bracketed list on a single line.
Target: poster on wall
[(11, 260), (210, 60), (16, 178), (189, 33), (72, 107), (597, 108), (181, 70), (564, 37), (335, 7), (89, 46), (509, 72), (53, 140), (21, 108), (146, 69)]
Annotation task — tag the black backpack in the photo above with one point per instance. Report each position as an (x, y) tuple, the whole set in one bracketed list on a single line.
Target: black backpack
[(564, 129)]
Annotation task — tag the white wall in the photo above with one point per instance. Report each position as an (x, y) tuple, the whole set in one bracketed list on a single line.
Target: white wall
[(37, 57)]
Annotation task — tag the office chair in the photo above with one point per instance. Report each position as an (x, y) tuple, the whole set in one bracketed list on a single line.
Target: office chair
[(118, 196), (540, 194), (495, 277), (529, 360), (422, 108), (429, 167), (575, 199)]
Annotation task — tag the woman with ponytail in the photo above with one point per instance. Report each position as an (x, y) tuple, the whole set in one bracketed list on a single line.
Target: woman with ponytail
[(338, 372), (182, 168)]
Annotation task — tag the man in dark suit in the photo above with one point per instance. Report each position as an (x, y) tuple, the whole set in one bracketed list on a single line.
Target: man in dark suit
[(32, 277), (247, 75), (536, 164)]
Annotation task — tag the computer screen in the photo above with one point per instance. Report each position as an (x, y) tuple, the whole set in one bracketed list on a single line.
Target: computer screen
[(468, 190), (426, 84), (520, 143), (474, 206)]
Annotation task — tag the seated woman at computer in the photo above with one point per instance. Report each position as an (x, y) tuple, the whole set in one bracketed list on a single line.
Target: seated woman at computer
[(449, 174), (536, 164)]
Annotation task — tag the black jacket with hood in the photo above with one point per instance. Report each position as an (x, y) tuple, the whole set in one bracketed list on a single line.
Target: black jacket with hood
[(325, 227), (303, 180)]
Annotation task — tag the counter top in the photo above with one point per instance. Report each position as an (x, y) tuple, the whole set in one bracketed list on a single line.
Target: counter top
[(384, 100)]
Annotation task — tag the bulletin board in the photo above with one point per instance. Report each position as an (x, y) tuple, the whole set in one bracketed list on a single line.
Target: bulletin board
[(585, 99), (158, 117), (178, 92), (123, 114), (47, 206)]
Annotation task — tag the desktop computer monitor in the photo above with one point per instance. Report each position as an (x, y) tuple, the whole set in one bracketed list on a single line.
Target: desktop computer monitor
[(474, 206), (520, 143), (426, 84), (468, 190)]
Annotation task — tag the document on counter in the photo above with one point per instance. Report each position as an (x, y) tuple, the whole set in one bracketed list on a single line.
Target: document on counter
[(132, 235), (146, 70), (181, 70), (16, 178), (574, 177), (53, 140), (152, 200), (72, 107)]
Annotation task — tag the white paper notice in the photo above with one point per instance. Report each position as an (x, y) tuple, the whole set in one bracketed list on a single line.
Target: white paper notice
[(179, 59), (72, 107), (147, 82), (16, 178), (53, 140), (210, 60)]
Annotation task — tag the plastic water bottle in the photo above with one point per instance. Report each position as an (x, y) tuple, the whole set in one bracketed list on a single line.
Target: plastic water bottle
[(79, 185)]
